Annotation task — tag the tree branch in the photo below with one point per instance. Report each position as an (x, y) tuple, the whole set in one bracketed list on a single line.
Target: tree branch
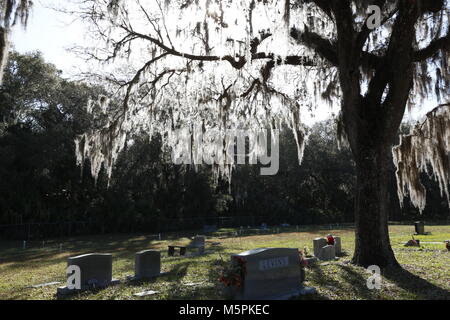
[(429, 51), (323, 47)]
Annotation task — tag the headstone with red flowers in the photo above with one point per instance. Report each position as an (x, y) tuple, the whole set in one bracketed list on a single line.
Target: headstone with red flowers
[(327, 253), (318, 244), (329, 240), (337, 245), (269, 273)]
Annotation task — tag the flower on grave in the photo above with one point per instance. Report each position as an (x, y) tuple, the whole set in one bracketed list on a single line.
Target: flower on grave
[(303, 262), (302, 255), (233, 274), (413, 243), (330, 239)]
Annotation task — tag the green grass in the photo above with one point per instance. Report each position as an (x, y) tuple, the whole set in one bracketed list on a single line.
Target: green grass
[(425, 273)]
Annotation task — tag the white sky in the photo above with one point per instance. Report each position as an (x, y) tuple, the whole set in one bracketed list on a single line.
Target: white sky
[(53, 33)]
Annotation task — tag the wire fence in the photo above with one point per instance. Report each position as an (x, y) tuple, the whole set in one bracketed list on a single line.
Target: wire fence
[(243, 225)]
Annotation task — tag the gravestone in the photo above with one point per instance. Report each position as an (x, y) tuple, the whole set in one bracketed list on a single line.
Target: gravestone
[(420, 227), (96, 271), (327, 253), (209, 228), (271, 273), (147, 264), (318, 244), (198, 242), (337, 245)]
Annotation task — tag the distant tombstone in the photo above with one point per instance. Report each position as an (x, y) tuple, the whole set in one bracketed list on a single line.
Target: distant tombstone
[(327, 253), (318, 244), (420, 227), (147, 264), (95, 271), (271, 273), (337, 245), (198, 242), (209, 228)]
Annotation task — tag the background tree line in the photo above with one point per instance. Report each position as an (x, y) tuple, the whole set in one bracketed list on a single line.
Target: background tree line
[(41, 113)]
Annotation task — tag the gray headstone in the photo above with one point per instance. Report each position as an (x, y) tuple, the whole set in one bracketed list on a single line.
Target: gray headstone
[(318, 244), (327, 253), (96, 268), (147, 264), (337, 245), (198, 241), (271, 273), (420, 227), (209, 228)]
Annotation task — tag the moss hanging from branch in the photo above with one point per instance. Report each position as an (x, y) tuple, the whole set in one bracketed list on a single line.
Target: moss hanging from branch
[(426, 147)]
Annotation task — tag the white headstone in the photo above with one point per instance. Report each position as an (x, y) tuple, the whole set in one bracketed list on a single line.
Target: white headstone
[(337, 245), (318, 244)]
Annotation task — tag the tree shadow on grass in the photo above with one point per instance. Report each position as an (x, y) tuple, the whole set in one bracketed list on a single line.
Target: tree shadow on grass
[(358, 283), (349, 282), (415, 285)]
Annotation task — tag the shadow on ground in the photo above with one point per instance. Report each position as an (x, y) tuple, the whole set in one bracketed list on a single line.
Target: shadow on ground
[(420, 287)]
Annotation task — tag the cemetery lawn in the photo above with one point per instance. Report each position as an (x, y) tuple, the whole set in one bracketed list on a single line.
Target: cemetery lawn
[(425, 273)]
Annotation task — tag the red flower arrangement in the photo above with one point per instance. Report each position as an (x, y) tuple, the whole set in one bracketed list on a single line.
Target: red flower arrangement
[(330, 239), (234, 274)]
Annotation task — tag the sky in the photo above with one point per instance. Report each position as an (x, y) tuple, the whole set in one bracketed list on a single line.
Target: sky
[(51, 33), (54, 33)]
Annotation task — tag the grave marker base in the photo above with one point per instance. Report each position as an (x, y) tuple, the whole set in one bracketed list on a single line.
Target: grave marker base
[(301, 291), (134, 278), (64, 291)]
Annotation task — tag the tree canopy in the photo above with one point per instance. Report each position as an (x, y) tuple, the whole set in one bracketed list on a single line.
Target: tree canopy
[(224, 64)]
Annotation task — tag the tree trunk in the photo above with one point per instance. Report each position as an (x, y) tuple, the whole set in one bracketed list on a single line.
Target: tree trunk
[(372, 245), (4, 48)]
